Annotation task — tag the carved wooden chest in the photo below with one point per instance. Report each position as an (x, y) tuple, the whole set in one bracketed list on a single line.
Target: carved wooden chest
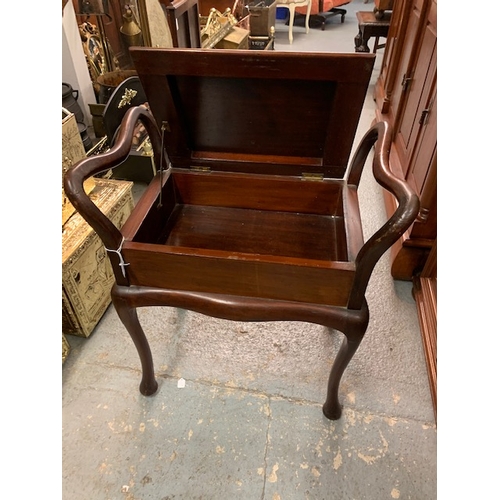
[(87, 276), (72, 152)]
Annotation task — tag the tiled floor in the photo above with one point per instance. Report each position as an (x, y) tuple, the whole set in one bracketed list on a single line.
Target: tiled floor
[(248, 423)]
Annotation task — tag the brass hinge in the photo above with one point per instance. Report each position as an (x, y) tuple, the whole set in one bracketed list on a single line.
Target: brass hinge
[(312, 176), (197, 168)]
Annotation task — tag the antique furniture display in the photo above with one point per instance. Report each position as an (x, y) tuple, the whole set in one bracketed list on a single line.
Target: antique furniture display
[(370, 26), (264, 42), (406, 96), (425, 294), (321, 11), (127, 94), (237, 7), (261, 17), (87, 276), (291, 5), (70, 106), (253, 214), (219, 30), (381, 6), (98, 50), (100, 27), (237, 38), (130, 29), (72, 152), (139, 166), (109, 82), (183, 21)]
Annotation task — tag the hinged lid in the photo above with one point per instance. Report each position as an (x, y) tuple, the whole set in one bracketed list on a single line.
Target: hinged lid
[(266, 112)]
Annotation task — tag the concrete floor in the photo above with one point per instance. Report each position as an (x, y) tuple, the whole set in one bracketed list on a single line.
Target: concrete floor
[(248, 422)]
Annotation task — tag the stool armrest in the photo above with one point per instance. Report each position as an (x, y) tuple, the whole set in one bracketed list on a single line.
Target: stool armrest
[(408, 206), (75, 177)]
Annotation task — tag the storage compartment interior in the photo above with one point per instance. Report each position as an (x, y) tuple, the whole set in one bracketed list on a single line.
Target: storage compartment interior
[(237, 214)]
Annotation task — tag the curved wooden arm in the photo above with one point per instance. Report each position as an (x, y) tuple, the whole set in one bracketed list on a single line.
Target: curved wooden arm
[(73, 180), (380, 135)]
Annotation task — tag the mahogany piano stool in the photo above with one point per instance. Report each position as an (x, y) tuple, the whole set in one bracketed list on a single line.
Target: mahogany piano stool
[(370, 26), (253, 213)]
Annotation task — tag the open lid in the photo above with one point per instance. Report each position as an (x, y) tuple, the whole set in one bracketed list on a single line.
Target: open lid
[(266, 112)]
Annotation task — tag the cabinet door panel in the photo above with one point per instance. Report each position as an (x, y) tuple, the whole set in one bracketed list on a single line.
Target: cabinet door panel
[(425, 227), (406, 96), (418, 99), (424, 149), (404, 64)]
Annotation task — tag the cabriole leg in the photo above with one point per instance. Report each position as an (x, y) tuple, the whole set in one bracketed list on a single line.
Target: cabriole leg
[(353, 324), (332, 408), (128, 315)]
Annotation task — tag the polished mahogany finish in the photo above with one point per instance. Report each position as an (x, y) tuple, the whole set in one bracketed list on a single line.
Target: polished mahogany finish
[(406, 97), (253, 215), (425, 294)]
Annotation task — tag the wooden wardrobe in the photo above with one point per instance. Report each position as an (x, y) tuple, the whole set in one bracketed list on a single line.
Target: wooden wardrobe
[(406, 95)]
